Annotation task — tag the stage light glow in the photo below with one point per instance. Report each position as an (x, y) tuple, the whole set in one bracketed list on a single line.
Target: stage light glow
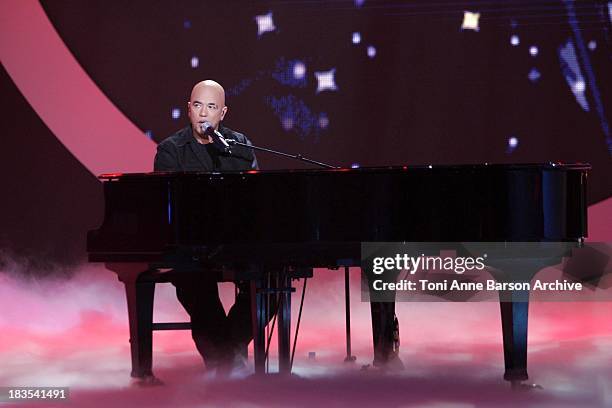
[(470, 21), (299, 70), (176, 113), (534, 75), (326, 80), (355, 166), (195, 61), (533, 51), (573, 73), (359, 3), (356, 38), (287, 123), (592, 45), (371, 51), (265, 23), (291, 73), (323, 121), (515, 40), (186, 24), (579, 86), (512, 144), (305, 121)]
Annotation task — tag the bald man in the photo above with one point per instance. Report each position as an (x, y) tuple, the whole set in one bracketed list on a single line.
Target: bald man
[(221, 340), (190, 149)]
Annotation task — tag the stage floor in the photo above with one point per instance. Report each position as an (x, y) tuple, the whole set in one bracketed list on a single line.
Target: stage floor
[(73, 333)]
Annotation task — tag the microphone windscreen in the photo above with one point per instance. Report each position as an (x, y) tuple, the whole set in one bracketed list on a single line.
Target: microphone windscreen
[(207, 128)]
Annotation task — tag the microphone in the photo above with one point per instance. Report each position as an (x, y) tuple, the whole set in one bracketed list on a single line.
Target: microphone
[(218, 140)]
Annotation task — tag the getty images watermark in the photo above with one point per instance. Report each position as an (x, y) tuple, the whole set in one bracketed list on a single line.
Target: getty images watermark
[(486, 271)]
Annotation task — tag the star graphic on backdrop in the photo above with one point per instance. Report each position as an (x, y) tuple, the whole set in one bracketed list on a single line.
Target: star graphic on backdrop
[(265, 23), (326, 80), (470, 21)]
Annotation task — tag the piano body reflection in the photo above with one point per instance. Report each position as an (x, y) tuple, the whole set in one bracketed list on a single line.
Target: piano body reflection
[(259, 221)]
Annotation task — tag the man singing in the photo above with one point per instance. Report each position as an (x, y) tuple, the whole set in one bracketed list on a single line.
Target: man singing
[(221, 340)]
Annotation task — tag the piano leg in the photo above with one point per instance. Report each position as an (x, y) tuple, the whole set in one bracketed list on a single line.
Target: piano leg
[(140, 311), (514, 307), (385, 336), (139, 295), (514, 316)]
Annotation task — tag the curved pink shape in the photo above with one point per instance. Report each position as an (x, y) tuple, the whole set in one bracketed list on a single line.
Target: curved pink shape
[(600, 227), (64, 96)]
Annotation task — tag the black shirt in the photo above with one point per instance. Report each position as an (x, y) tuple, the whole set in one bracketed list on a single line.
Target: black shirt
[(182, 152)]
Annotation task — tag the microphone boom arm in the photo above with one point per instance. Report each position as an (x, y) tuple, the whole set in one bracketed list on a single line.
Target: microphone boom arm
[(292, 156)]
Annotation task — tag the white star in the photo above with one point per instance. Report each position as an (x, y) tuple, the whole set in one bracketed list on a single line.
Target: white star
[(371, 51), (534, 75), (592, 45), (299, 70), (326, 81), (265, 23), (470, 21)]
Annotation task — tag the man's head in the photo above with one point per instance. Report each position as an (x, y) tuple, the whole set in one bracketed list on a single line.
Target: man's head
[(206, 104)]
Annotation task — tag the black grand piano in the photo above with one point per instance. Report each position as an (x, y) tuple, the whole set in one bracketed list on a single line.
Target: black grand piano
[(248, 225)]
